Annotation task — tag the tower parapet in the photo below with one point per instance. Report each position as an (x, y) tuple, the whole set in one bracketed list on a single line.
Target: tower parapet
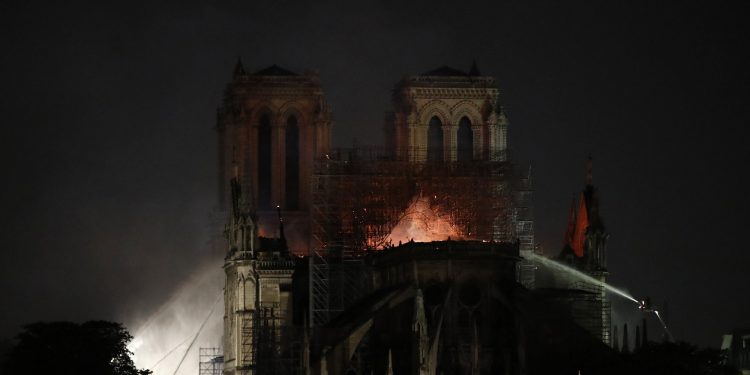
[(447, 115)]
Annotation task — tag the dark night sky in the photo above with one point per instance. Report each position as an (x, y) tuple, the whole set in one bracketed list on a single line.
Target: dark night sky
[(108, 145)]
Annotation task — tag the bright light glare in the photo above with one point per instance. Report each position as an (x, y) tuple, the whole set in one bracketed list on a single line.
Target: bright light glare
[(161, 340)]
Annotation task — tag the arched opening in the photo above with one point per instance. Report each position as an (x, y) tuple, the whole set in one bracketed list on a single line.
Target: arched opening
[(264, 162), (292, 164), (465, 141), (435, 140)]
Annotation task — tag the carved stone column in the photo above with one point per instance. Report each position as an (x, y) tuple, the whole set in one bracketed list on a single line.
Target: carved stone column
[(449, 142)]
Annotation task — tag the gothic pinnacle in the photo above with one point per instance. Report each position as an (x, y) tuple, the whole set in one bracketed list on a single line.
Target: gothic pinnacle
[(239, 70)]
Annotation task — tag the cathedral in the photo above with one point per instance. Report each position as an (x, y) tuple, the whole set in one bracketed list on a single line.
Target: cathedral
[(413, 258)]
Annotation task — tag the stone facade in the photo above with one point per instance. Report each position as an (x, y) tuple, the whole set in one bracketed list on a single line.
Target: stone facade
[(257, 293), (445, 306), (463, 110), (272, 125)]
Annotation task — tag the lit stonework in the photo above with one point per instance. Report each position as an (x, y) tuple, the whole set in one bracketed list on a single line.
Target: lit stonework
[(272, 125), (447, 115), (418, 256), (257, 293)]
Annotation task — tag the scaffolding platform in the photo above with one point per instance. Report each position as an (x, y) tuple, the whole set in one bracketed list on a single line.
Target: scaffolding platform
[(210, 362)]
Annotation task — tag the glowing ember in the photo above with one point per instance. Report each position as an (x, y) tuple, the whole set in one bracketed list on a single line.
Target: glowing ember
[(423, 222)]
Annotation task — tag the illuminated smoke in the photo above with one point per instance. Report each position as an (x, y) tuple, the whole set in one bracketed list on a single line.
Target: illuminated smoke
[(161, 341), (423, 222)]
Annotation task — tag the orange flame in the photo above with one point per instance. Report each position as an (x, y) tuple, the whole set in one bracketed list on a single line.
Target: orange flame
[(423, 223)]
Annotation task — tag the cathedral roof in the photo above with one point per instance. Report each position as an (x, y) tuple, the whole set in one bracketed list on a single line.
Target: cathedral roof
[(275, 70)]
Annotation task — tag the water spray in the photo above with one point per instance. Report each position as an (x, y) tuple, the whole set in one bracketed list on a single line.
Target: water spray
[(168, 354), (664, 325), (643, 305), (184, 355), (170, 335), (551, 263)]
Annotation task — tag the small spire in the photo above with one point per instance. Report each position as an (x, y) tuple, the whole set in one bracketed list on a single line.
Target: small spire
[(281, 222), (282, 236), (474, 71), (239, 70), (235, 166), (389, 370), (589, 170), (236, 188), (582, 223), (236, 197)]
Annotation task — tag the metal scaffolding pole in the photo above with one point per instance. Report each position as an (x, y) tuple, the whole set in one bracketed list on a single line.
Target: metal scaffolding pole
[(210, 361)]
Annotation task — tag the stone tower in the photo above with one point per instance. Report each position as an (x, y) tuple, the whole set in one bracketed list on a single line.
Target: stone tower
[(450, 117), (585, 249), (447, 115), (257, 293), (272, 124)]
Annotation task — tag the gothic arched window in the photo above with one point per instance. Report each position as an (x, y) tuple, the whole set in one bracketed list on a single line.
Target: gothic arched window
[(264, 162), (435, 140), (292, 164), (465, 141)]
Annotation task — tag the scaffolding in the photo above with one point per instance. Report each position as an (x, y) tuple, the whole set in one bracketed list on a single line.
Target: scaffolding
[(211, 361), (360, 195), (278, 346), (247, 339), (524, 225), (591, 308), (335, 284)]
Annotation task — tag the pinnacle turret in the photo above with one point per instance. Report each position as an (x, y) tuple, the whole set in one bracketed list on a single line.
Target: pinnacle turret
[(474, 71), (239, 70)]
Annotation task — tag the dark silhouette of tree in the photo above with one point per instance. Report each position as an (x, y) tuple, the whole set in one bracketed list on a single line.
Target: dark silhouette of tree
[(95, 347), (681, 358)]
